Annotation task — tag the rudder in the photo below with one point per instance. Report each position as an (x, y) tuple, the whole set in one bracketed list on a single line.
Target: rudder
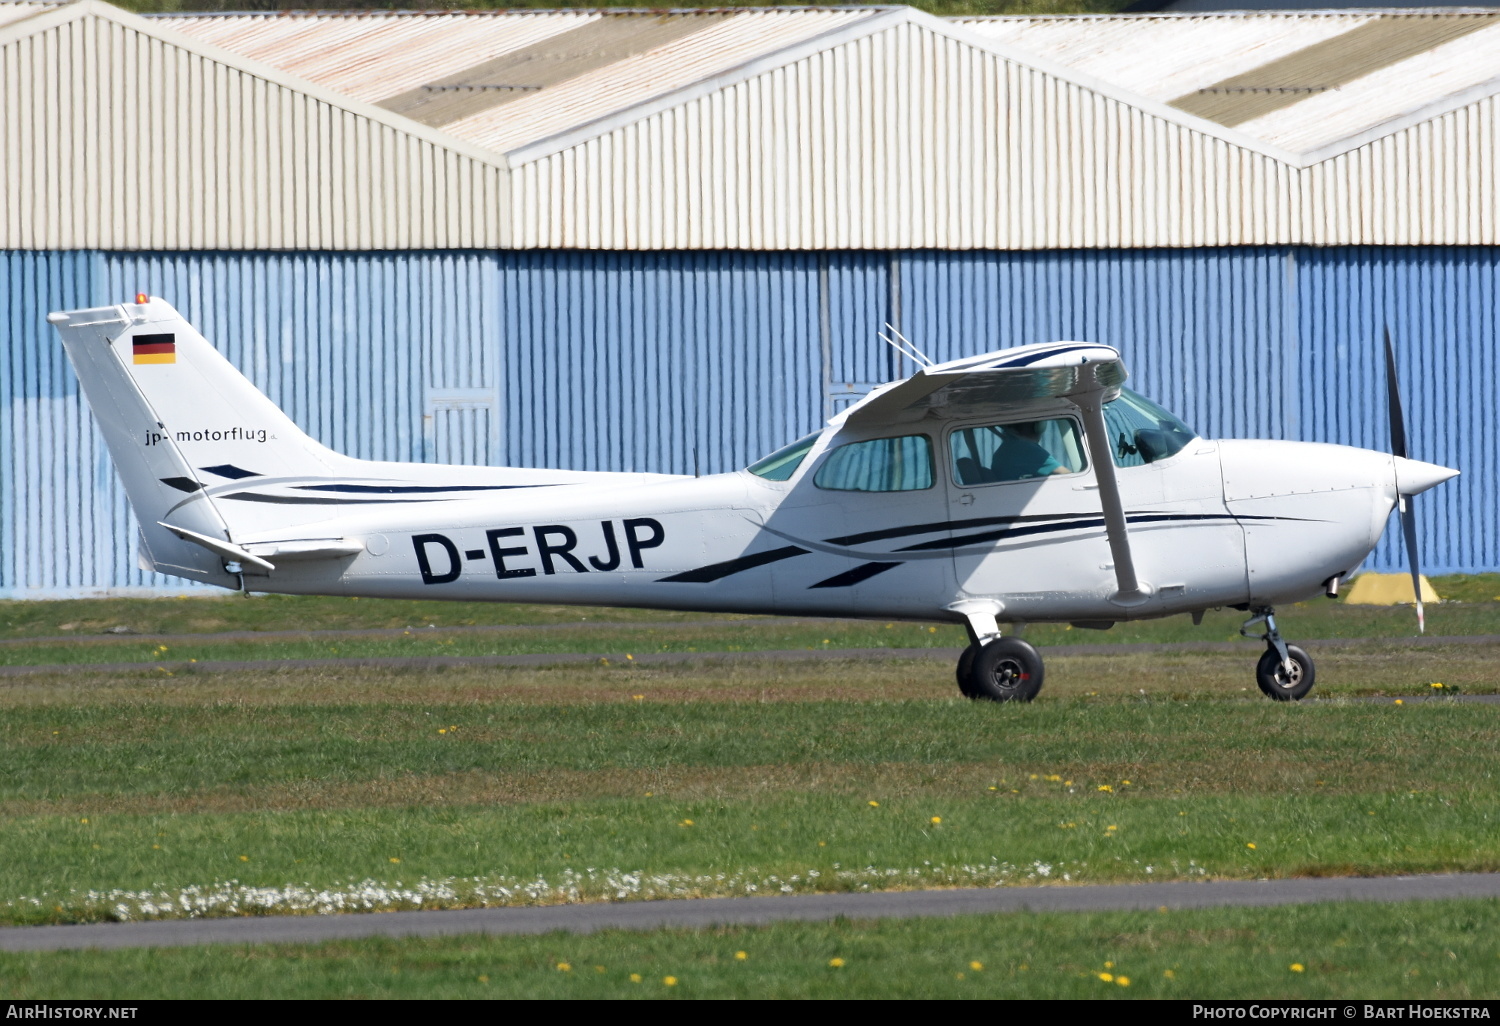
[(171, 409)]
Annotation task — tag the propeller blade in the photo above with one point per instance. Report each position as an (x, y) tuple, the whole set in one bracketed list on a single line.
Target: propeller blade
[(1393, 401), (1409, 530), (1405, 503)]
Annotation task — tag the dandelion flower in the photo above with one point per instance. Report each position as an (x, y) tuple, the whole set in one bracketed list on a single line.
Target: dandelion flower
[(686, 823), (1399, 702), (84, 820), (1106, 788), (635, 977), (670, 981), (1250, 845), (1436, 684), (740, 956), (244, 858), (1109, 965), (836, 963), (442, 730), (1169, 974), (936, 820), (1297, 967), (638, 697), (976, 966), (873, 805), (1107, 977), (393, 859), (1123, 981), (564, 967)]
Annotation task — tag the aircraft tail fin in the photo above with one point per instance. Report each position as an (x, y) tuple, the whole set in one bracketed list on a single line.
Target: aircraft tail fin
[(176, 414)]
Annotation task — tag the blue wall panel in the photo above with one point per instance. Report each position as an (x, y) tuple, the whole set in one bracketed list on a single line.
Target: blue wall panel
[(1194, 325), (634, 361), (1443, 311), (620, 361)]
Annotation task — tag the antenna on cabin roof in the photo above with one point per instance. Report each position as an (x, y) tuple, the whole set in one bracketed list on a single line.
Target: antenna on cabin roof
[(905, 346)]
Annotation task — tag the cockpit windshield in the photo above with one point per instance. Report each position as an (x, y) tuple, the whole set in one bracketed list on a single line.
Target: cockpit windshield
[(783, 463), (1142, 432)]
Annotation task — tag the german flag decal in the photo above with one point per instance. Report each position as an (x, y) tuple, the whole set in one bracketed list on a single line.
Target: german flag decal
[(154, 348)]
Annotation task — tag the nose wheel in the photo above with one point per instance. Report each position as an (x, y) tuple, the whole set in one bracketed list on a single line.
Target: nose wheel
[(1000, 670), (1285, 672)]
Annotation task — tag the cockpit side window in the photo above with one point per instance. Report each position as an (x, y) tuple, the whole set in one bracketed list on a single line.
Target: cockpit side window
[(1141, 432), (783, 463), (1016, 452), (901, 464)]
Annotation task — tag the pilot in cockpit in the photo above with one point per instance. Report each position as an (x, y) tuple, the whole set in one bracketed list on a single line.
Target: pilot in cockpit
[(1021, 454)]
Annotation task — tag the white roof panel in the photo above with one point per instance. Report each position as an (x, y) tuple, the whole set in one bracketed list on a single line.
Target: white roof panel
[(1161, 58), (1385, 95), (619, 86), (370, 56), (1165, 56), (12, 10)]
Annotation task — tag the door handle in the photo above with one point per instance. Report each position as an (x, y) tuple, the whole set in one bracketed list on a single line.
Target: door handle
[(965, 499)]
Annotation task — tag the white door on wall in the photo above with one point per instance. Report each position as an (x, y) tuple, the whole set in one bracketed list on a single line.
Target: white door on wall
[(461, 426)]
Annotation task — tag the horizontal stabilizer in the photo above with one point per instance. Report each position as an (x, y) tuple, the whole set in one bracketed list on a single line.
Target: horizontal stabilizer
[(308, 549), (228, 550)]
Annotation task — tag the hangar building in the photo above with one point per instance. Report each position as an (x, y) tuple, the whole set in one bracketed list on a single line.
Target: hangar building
[(605, 239)]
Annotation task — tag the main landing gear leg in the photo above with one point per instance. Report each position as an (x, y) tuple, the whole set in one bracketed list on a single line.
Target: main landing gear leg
[(997, 669), (1285, 673)]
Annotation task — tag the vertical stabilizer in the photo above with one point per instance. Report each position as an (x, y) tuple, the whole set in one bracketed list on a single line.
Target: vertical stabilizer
[(173, 411)]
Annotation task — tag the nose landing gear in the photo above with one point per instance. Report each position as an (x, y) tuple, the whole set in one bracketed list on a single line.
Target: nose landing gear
[(1285, 672)]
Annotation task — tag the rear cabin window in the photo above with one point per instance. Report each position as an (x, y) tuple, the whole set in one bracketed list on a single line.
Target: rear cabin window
[(1016, 452), (1141, 432), (783, 463), (880, 465)]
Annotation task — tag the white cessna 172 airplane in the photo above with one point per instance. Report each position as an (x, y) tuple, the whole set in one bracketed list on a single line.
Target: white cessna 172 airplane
[(1021, 485)]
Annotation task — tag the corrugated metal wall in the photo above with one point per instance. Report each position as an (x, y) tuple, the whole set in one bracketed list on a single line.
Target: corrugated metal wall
[(112, 138), (619, 361), (908, 139)]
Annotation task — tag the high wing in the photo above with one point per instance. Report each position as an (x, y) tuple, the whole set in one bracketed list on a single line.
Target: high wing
[(989, 383), (1081, 373)]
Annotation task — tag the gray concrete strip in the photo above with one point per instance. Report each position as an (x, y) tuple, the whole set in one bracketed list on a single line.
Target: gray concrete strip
[(677, 658), (709, 912)]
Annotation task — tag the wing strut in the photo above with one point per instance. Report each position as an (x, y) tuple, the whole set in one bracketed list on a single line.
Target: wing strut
[(1091, 405)]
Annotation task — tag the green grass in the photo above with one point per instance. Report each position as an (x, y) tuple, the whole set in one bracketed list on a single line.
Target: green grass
[(1436, 950), (186, 625), (496, 781), (135, 793)]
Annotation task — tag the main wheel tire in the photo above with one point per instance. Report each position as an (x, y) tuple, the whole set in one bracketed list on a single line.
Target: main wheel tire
[(1281, 684), (1005, 670), (965, 668)]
